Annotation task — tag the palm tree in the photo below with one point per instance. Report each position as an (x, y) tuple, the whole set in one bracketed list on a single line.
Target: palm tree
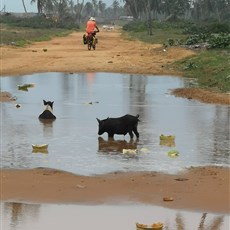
[(115, 7), (41, 4), (88, 9), (24, 6), (101, 6)]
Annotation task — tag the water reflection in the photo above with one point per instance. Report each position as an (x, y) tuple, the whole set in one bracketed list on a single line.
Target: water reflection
[(18, 213), (20, 216), (47, 127), (201, 130), (112, 146)]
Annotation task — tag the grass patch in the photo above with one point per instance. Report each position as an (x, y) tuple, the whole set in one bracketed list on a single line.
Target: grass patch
[(211, 69), (160, 36), (21, 36)]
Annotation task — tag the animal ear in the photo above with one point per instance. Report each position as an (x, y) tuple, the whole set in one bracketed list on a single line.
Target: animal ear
[(98, 120), (44, 102)]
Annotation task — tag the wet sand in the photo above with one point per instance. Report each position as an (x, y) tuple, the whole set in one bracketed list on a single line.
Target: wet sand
[(202, 188)]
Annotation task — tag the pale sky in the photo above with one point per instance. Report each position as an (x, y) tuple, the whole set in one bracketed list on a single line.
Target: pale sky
[(16, 5)]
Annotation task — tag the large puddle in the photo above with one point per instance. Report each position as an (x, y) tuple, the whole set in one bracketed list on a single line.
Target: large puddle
[(201, 130), (17, 216)]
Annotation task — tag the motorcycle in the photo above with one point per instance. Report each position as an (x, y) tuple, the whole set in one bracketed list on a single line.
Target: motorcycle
[(90, 40)]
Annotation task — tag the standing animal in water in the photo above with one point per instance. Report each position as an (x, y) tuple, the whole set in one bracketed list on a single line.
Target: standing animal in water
[(120, 125), (47, 114)]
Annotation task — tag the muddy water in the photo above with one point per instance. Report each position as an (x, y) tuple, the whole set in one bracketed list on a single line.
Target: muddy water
[(201, 130), (19, 216)]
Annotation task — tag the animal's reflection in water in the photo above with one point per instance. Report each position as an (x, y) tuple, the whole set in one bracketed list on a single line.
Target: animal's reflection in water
[(47, 126), (112, 146)]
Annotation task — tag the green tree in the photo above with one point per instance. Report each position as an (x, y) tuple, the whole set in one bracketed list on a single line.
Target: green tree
[(175, 8), (44, 4), (211, 9), (95, 7), (78, 8), (115, 6), (88, 9), (101, 7), (132, 7)]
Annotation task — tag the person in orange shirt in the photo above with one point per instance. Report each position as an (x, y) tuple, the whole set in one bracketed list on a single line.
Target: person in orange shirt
[(91, 26)]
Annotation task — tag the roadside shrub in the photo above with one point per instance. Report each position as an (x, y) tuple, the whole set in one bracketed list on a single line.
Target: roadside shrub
[(218, 27), (36, 22), (207, 28), (219, 41), (135, 26), (196, 38), (39, 22)]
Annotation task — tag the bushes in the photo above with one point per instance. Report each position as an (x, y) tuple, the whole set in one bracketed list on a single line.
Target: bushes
[(221, 40), (36, 22), (39, 22), (135, 26), (207, 28)]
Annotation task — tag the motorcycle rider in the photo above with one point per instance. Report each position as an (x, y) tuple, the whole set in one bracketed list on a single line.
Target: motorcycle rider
[(91, 27)]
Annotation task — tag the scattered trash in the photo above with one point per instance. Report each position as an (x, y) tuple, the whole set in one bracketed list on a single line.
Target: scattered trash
[(169, 143), (22, 88), (144, 150), (168, 199), (18, 106), (40, 147), (44, 151), (129, 151), (92, 102), (25, 87), (168, 138), (173, 153), (155, 226), (181, 179), (80, 186)]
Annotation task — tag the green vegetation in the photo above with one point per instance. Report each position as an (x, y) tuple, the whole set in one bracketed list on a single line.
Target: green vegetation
[(22, 36), (211, 65), (22, 31), (211, 69), (159, 36)]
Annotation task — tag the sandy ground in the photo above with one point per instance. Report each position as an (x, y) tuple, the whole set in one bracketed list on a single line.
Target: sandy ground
[(202, 188)]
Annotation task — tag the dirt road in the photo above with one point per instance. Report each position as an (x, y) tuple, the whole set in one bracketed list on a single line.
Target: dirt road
[(68, 54)]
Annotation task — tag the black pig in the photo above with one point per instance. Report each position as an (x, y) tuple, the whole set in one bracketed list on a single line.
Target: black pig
[(120, 125)]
